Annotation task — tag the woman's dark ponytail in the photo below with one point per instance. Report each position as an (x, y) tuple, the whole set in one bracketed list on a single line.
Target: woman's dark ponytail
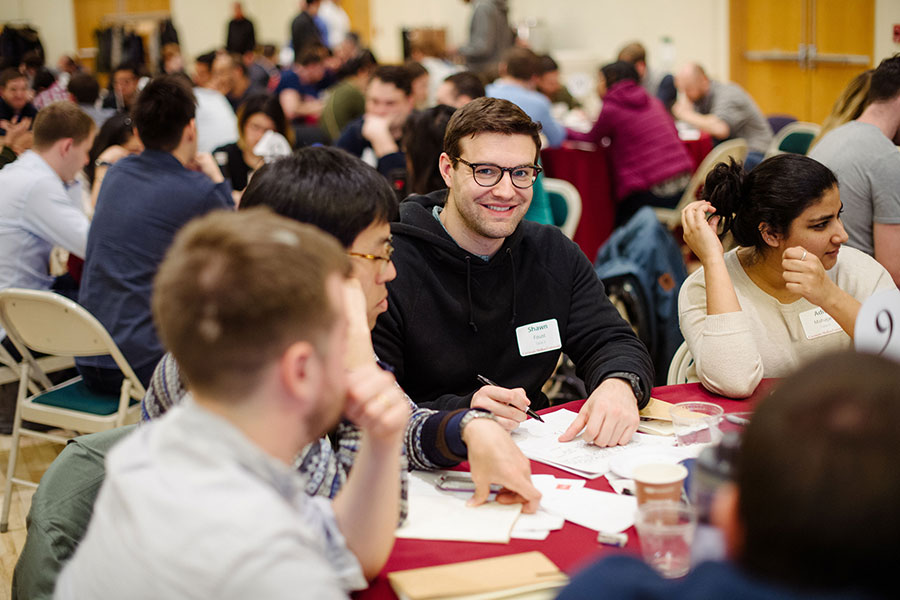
[(774, 193), (725, 189)]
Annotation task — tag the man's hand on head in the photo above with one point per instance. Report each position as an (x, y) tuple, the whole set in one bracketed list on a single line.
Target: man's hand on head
[(506, 404), (609, 416), (376, 404), (495, 458), (359, 337), (206, 164), (683, 108), (377, 130)]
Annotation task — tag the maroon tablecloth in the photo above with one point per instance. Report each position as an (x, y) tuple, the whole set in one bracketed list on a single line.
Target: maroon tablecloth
[(584, 165), (585, 168), (698, 149), (570, 547)]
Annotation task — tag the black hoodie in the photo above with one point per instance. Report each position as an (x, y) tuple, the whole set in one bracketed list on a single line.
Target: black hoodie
[(452, 316)]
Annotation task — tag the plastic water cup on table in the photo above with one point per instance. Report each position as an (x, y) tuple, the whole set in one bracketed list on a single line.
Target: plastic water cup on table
[(696, 422), (666, 531)]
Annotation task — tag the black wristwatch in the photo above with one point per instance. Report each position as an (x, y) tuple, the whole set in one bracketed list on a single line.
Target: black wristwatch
[(631, 378)]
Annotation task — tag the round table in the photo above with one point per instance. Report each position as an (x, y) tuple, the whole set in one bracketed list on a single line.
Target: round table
[(571, 547)]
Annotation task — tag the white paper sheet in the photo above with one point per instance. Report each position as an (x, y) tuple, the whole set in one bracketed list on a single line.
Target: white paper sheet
[(600, 511), (539, 441), (538, 526), (439, 515)]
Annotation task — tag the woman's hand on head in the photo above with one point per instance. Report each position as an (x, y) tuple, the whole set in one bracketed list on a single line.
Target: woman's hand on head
[(700, 233)]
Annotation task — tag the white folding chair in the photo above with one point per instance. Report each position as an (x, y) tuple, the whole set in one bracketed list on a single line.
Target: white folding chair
[(678, 368), (9, 372), (736, 149), (793, 137), (52, 324), (572, 198)]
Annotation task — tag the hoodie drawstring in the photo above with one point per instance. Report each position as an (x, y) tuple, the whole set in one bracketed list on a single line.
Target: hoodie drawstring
[(512, 266), (469, 292)]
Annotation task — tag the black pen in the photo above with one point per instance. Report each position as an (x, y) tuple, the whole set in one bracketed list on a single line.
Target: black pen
[(528, 411)]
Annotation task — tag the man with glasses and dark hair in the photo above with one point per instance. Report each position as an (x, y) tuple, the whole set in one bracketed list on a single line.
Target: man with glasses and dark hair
[(480, 292), (337, 193)]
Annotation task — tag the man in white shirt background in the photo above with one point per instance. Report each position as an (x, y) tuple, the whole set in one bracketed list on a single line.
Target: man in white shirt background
[(40, 206)]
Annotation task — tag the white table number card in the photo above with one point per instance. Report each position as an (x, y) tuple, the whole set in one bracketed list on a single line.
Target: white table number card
[(878, 325)]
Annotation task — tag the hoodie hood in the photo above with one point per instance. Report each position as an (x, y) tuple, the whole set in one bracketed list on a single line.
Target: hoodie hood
[(628, 94), (417, 221)]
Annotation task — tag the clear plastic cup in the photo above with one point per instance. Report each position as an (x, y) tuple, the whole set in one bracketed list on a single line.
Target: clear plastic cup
[(666, 531), (696, 422)]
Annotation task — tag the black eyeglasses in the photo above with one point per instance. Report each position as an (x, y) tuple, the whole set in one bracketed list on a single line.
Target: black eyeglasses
[(489, 175)]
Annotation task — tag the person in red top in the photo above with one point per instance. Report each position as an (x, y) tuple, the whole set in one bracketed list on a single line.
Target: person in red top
[(649, 164)]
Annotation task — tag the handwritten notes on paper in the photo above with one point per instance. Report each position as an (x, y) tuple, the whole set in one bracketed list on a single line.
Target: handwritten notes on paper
[(540, 442)]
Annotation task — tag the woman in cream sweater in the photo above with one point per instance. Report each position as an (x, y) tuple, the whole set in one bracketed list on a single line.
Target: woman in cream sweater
[(789, 292)]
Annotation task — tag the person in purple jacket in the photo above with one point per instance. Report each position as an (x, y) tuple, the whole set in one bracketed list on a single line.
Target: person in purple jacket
[(650, 165)]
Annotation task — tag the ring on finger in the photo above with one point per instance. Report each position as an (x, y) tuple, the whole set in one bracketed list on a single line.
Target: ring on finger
[(804, 256)]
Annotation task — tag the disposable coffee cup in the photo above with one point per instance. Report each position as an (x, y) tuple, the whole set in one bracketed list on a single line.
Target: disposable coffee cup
[(658, 482)]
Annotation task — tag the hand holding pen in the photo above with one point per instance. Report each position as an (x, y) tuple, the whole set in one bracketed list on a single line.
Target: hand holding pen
[(510, 406)]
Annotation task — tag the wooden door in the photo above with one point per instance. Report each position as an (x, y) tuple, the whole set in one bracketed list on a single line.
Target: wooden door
[(358, 11), (795, 56), (89, 15)]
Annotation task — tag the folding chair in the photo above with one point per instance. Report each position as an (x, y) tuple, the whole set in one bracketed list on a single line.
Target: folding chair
[(736, 148), (565, 201), (679, 366), (794, 138), (49, 323), (9, 372)]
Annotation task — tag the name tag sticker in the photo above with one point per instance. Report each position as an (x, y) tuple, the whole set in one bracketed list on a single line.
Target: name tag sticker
[(535, 338), (817, 322)]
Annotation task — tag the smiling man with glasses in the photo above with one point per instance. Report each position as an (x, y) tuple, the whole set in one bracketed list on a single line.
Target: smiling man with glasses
[(346, 198), (480, 292)]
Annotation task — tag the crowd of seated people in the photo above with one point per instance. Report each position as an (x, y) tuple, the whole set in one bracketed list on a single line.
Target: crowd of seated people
[(214, 267)]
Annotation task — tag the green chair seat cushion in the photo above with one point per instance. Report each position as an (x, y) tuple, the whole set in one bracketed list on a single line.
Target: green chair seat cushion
[(77, 396), (558, 207), (797, 142)]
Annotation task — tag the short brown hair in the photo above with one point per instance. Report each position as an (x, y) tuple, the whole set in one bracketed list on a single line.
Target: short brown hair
[(397, 75), (489, 115), (10, 74), (818, 484), (236, 289), (521, 63), (633, 52), (61, 120)]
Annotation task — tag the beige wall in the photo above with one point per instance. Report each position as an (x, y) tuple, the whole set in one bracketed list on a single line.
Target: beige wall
[(887, 13), (584, 31), (593, 29), (203, 24)]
